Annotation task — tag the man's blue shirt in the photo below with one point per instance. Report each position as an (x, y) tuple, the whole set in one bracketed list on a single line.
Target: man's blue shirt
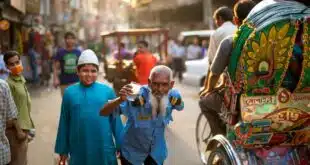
[(144, 135), (3, 76)]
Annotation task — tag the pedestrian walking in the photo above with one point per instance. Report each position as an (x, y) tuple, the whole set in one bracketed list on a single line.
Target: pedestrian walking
[(65, 64), (178, 60), (194, 50), (17, 84), (46, 58), (83, 136), (143, 139)]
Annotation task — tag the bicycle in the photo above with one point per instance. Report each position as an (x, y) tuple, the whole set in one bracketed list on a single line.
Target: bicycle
[(202, 138)]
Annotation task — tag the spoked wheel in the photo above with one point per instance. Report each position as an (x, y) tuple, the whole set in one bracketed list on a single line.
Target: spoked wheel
[(203, 134), (219, 157)]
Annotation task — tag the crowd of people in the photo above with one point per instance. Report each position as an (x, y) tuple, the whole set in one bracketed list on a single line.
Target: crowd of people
[(89, 108), (90, 130)]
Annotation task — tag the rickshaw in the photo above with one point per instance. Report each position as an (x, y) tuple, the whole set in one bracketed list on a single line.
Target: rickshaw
[(266, 106), (122, 71)]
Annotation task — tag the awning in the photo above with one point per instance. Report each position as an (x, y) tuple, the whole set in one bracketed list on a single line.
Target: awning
[(33, 6), (11, 14)]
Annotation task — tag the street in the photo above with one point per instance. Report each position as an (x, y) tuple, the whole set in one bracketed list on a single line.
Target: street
[(180, 133)]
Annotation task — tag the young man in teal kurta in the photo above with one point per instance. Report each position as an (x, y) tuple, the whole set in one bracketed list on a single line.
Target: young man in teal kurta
[(84, 136)]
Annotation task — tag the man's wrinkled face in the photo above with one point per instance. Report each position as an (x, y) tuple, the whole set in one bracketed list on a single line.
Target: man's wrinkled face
[(160, 84), (88, 74), (70, 41)]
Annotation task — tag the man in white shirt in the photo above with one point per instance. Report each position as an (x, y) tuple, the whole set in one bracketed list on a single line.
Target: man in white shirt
[(223, 17), (194, 50), (178, 60)]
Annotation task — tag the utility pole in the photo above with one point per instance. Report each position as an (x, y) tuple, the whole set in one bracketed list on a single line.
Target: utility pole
[(207, 13)]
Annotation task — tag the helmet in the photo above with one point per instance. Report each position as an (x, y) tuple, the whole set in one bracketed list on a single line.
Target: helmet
[(88, 57)]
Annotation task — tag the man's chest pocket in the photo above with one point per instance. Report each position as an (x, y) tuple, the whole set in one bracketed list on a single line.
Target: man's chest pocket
[(143, 117)]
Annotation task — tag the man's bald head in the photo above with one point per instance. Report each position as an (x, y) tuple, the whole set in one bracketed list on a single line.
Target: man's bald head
[(160, 81), (161, 70)]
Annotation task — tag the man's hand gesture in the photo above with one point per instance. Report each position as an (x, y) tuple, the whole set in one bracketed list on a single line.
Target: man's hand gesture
[(204, 92), (125, 91)]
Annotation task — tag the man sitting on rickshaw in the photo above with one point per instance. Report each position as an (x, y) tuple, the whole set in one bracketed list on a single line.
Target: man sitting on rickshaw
[(123, 53), (264, 100), (211, 96)]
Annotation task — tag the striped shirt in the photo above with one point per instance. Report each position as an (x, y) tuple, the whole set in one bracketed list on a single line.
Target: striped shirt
[(8, 111)]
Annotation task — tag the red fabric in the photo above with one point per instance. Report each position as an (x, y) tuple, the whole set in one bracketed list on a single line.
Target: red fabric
[(38, 42), (144, 63)]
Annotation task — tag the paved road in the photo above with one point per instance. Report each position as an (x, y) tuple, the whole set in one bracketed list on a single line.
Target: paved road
[(180, 134)]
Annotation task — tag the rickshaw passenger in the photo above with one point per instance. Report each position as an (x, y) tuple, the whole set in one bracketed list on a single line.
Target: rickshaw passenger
[(211, 98), (123, 54)]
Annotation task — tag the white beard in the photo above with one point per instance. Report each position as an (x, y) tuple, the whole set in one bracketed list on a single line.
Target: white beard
[(162, 104)]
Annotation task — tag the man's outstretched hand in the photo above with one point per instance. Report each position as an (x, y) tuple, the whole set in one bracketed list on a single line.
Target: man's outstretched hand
[(125, 91)]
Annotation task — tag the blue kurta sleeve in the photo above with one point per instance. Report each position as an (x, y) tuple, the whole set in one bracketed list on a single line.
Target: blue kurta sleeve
[(116, 122), (62, 146), (178, 104)]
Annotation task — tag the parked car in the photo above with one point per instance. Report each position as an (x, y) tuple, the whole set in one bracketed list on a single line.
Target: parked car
[(196, 70)]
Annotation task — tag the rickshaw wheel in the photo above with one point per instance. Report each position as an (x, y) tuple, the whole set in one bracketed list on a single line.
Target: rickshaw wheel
[(219, 157), (202, 134)]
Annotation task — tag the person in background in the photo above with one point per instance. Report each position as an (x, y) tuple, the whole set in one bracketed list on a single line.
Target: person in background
[(144, 62), (82, 46), (4, 72), (123, 54), (204, 48), (33, 47), (211, 97), (83, 136), (47, 54), (223, 17), (194, 50), (171, 50), (65, 64), (8, 116), (178, 59), (17, 84), (143, 139)]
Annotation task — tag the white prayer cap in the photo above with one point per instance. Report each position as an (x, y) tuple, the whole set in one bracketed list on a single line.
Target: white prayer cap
[(88, 57)]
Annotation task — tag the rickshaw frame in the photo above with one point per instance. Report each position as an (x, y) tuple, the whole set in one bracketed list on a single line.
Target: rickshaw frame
[(126, 65), (140, 32)]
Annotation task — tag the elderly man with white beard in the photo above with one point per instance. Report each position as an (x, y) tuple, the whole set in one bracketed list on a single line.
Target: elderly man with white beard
[(143, 139)]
